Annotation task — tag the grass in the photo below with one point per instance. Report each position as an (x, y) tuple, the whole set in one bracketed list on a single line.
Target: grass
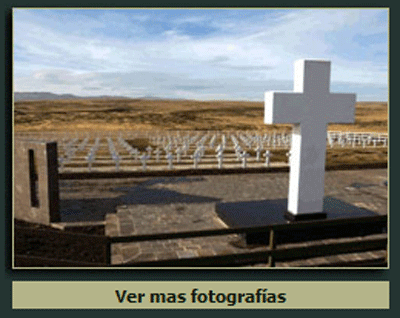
[(141, 114)]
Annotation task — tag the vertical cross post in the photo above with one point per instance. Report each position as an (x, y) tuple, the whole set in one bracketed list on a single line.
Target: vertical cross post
[(310, 107)]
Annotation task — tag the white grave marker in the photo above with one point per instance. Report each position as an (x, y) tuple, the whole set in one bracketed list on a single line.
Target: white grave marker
[(310, 108), (244, 156), (143, 159), (170, 158), (158, 153), (179, 153), (258, 152), (219, 148), (267, 156), (196, 158), (149, 149), (220, 158)]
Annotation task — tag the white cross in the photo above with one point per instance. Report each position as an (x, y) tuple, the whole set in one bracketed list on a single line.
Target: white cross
[(116, 158), (244, 155), (178, 152), (238, 151), (149, 149), (134, 153), (223, 141), (353, 141), (267, 156), (310, 108), (342, 141), (168, 147), (219, 148), (90, 160), (157, 152), (202, 149), (170, 157), (258, 152), (220, 157), (212, 141), (143, 159), (364, 143), (273, 141), (196, 158)]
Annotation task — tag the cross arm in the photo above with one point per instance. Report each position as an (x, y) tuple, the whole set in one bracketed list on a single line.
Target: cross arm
[(283, 107), (341, 108)]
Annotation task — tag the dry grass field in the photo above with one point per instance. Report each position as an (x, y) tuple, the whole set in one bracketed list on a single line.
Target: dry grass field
[(142, 114), (149, 115)]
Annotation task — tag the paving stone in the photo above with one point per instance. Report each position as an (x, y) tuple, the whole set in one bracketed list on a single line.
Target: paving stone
[(130, 252), (206, 252), (117, 259), (126, 229), (187, 254), (145, 257), (167, 255)]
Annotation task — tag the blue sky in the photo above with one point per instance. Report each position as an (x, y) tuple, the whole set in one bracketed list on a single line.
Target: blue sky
[(202, 54)]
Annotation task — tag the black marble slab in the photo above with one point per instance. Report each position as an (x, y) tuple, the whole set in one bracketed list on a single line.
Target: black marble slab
[(274, 212)]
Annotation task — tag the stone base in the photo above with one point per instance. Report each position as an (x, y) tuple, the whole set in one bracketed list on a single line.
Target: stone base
[(271, 212), (305, 217)]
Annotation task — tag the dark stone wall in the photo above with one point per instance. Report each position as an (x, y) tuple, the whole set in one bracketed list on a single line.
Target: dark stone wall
[(36, 192)]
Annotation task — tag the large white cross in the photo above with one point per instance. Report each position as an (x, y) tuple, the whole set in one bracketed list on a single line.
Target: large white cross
[(310, 107)]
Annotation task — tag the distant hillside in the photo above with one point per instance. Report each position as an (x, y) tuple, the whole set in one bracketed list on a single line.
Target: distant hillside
[(21, 96)]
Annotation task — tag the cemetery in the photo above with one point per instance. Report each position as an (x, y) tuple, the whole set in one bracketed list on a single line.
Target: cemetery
[(136, 151), (299, 197)]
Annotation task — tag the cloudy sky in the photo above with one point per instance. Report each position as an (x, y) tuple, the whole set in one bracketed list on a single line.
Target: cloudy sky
[(203, 54)]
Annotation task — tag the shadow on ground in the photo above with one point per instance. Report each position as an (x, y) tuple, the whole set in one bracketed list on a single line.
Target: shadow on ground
[(95, 209)]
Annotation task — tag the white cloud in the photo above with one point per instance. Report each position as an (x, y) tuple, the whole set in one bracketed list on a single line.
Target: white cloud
[(74, 54)]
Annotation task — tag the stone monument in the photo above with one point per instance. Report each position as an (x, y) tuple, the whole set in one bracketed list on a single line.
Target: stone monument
[(36, 194), (309, 108)]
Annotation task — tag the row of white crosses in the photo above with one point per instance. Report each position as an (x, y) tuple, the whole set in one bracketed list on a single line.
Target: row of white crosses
[(83, 144), (69, 152), (197, 144), (114, 153), (180, 150), (353, 139), (92, 153), (184, 143), (199, 153), (271, 140), (134, 152), (200, 149), (144, 157), (195, 141)]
